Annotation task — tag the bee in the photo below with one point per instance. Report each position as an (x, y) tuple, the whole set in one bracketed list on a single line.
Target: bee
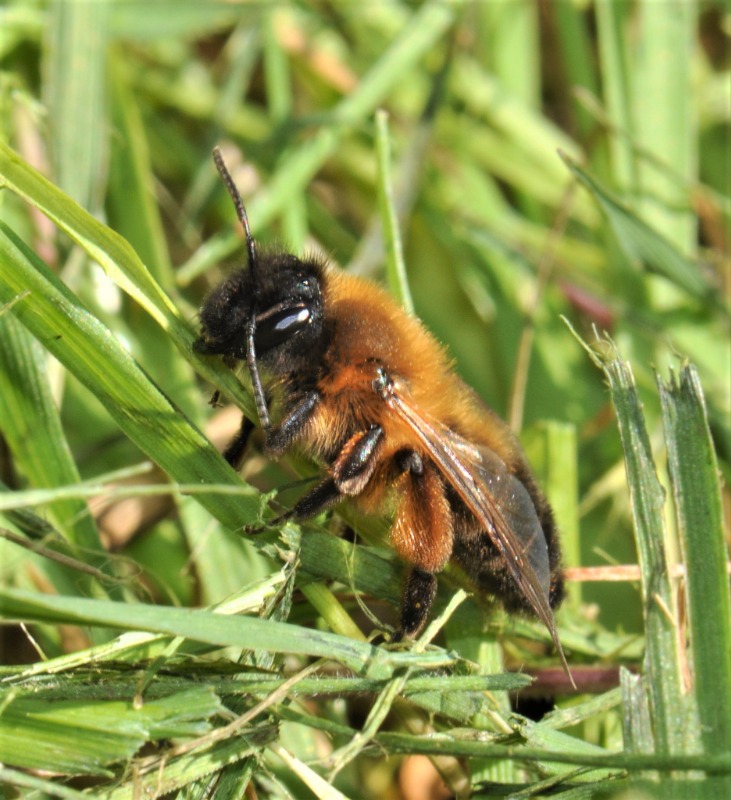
[(362, 387)]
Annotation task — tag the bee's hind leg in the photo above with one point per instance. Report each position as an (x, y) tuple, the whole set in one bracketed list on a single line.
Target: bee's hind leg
[(416, 602), (422, 535)]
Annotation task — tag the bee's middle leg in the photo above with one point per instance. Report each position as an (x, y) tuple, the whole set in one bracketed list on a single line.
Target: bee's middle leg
[(351, 471)]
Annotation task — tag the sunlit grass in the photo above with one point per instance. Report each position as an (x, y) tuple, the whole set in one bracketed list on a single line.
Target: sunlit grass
[(541, 170)]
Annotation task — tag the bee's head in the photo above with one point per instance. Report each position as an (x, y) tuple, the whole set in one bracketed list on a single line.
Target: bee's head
[(271, 312), (280, 302)]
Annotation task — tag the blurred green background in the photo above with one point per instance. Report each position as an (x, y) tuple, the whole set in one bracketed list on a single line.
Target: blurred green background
[(551, 162)]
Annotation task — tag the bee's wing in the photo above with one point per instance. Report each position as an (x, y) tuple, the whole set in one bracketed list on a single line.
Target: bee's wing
[(499, 501)]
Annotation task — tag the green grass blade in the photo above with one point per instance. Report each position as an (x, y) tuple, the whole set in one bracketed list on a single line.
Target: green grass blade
[(578, 59), (643, 245), (87, 349), (205, 762), (673, 729), (280, 101), (461, 746), (510, 36), (133, 211), (31, 424), (53, 314), (551, 447), (117, 258), (75, 72), (666, 127), (247, 633), (40, 788), (648, 502), (636, 717), (693, 470), (395, 267), (612, 20)]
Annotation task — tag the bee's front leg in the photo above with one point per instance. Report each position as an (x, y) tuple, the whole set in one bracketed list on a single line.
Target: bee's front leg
[(282, 436), (235, 449)]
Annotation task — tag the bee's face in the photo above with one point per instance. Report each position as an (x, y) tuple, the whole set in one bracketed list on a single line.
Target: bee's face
[(284, 302)]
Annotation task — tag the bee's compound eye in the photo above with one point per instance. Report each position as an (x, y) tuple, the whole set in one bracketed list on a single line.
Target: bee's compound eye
[(280, 326)]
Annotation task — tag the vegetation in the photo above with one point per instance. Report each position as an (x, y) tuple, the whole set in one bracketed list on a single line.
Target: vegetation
[(553, 180)]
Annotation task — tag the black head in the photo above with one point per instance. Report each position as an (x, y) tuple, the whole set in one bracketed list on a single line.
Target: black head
[(282, 302), (270, 313)]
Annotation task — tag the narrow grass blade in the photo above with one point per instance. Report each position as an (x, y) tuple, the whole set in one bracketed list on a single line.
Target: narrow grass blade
[(694, 474), (75, 70), (205, 626), (663, 70), (31, 424), (163, 777), (118, 259), (395, 267), (612, 20), (643, 245), (674, 728)]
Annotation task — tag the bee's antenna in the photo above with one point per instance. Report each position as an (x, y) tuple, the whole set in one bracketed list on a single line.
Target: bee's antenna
[(239, 204), (259, 398)]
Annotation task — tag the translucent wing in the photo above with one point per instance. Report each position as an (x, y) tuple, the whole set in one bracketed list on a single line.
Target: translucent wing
[(499, 501)]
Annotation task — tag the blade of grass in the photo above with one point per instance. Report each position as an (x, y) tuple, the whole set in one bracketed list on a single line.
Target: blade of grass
[(280, 104), (395, 267), (88, 350), (446, 744), (578, 59), (647, 496), (204, 626), (513, 46), (134, 214), (675, 728), (78, 340), (181, 773), (552, 449), (643, 245), (694, 475), (666, 127), (409, 171), (31, 424), (318, 785), (612, 21), (138, 647), (75, 72), (41, 788), (636, 716), (171, 18), (118, 260)]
